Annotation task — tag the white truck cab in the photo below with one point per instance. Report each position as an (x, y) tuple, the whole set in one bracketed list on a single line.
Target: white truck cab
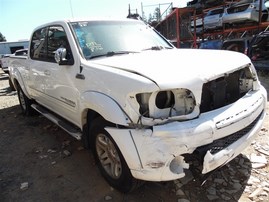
[(140, 104)]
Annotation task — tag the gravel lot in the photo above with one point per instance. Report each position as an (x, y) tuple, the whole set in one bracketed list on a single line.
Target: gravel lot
[(40, 162)]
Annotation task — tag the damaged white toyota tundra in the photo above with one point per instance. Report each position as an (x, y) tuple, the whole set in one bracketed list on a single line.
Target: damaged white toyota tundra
[(141, 105)]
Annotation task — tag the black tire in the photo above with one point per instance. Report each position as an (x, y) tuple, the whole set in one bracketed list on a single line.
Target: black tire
[(109, 159), (25, 103), (12, 88)]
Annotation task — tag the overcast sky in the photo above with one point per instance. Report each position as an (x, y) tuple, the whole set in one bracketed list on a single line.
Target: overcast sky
[(19, 17)]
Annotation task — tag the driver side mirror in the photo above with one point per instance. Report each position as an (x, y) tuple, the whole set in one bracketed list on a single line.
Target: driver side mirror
[(60, 57)]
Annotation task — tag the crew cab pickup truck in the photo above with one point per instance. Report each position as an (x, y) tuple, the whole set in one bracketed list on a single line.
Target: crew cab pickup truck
[(143, 107)]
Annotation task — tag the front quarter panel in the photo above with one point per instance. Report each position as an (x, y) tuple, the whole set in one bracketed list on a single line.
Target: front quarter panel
[(108, 108)]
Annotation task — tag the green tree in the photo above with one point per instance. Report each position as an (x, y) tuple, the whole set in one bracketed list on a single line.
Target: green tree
[(150, 18), (157, 14), (2, 37), (154, 18)]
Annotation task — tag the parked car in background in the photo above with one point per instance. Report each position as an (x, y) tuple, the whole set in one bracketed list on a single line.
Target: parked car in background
[(5, 60), (259, 51), (212, 3), (213, 19), (256, 48), (197, 4), (21, 53), (201, 4), (4, 63), (245, 10), (211, 44), (198, 25), (239, 45)]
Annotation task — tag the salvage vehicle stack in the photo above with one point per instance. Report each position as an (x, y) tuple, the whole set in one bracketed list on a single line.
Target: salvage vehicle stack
[(208, 24)]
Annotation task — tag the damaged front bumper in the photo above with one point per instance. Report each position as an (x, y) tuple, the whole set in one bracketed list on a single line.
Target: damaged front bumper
[(157, 154)]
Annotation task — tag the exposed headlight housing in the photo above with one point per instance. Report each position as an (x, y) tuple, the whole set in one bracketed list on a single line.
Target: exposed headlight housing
[(165, 104)]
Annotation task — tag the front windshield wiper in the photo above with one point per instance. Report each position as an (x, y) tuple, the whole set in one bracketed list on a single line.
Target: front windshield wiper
[(157, 48), (112, 53)]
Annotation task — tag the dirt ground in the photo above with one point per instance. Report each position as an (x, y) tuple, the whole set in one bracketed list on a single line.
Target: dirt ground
[(40, 162)]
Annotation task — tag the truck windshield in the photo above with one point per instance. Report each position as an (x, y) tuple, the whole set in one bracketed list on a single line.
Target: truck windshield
[(108, 38)]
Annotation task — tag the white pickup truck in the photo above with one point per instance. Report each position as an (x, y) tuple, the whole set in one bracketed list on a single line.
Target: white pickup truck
[(144, 107)]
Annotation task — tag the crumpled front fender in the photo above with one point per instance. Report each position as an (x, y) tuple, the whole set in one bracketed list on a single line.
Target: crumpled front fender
[(106, 106)]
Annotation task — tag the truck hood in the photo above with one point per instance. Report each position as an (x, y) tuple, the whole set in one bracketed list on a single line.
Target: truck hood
[(174, 67)]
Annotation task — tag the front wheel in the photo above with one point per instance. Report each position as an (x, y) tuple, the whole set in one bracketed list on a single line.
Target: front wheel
[(25, 103), (109, 158), (12, 88)]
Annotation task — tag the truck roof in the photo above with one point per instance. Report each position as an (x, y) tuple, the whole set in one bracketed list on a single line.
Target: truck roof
[(85, 19)]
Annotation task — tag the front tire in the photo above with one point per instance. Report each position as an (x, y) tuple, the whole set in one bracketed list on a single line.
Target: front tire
[(12, 88), (109, 158), (25, 103)]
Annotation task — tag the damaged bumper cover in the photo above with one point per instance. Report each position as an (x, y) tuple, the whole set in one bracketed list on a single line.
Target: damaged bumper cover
[(157, 154)]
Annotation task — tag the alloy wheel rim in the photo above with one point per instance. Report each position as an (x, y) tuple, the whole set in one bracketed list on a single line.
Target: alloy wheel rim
[(108, 156)]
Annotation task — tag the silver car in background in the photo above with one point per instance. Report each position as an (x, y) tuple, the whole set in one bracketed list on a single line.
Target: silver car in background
[(213, 19), (245, 10)]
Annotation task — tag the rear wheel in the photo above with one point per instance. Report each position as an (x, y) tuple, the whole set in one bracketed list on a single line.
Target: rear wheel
[(12, 88), (25, 103), (109, 158)]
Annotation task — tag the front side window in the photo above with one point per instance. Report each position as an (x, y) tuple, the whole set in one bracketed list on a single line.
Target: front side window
[(46, 41), (97, 38), (56, 39)]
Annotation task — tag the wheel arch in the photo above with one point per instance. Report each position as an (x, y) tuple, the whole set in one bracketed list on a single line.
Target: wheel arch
[(96, 105), (17, 81)]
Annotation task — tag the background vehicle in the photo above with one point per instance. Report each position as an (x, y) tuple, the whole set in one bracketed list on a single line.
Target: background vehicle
[(4, 61), (245, 10), (213, 19), (257, 48), (259, 51), (239, 45), (198, 25), (19, 54), (11, 47), (211, 44), (197, 4), (200, 4)]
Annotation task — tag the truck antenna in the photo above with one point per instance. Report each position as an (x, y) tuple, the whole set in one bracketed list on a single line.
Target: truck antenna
[(71, 8)]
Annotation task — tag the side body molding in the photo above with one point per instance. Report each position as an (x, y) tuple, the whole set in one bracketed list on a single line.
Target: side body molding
[(106, 106)]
